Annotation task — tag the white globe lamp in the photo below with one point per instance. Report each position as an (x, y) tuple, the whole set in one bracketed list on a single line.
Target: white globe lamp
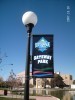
[(29, 19)]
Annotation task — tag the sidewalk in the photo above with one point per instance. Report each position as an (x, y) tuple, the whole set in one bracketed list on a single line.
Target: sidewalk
[(46, 98), (33, 97)]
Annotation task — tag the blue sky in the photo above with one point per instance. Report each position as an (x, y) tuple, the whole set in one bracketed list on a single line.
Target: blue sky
[(52, 19)]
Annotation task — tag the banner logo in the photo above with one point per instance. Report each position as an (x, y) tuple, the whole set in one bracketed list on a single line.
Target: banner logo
[(42, 45)]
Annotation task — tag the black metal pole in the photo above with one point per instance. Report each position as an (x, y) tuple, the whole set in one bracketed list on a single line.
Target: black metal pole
[(27, 70), (26, 90)]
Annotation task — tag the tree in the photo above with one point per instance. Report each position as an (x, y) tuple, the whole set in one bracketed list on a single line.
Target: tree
[(11, 79), (73, 81), (57, 81), (2, 56), (1, 79), (45, 82)]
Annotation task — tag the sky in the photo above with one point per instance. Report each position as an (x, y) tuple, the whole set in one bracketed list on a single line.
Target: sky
[(55, 17)]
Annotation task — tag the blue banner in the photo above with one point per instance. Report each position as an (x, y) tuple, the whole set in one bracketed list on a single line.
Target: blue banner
[(42, 56)]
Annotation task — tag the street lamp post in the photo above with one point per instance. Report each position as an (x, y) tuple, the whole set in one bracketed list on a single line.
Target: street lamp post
[(29, 19)]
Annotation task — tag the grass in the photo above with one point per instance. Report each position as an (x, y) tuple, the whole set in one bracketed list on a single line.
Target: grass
[(2, 98), (4, 88)]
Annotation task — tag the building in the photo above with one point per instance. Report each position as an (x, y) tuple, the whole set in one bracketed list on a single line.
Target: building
[(68, 80), (21, 77), (42, 82)]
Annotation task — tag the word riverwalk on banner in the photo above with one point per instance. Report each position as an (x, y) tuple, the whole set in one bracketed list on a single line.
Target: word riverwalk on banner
[(42, 56)]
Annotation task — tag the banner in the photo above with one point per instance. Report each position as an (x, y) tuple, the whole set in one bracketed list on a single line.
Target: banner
[(42, 56)]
